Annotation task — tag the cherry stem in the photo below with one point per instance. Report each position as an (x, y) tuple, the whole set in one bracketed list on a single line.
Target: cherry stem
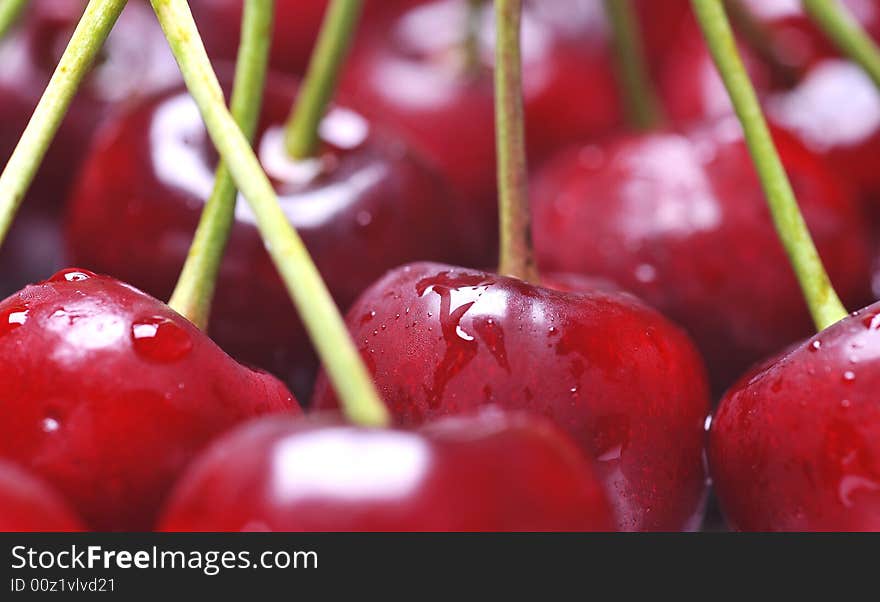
[(846, 33), (322, 319), (10, 10), (824, 304), (642, 106), (517, 258), (195, 289), (472, 35), (761, 40), (302, 137), (88, 38)]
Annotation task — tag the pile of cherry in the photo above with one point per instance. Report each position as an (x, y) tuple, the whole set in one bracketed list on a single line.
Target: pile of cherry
[(580, 403)]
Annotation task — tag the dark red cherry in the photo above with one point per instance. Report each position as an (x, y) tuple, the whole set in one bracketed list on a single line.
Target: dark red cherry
[(680, 220), (627, 384), (29, 505), (795, 445), (364, 206), (108, 394), (490, 472), (412, 73), (835, 110)]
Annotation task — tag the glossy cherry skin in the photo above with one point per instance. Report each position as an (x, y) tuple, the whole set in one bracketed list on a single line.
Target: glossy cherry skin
[(410, 72), (490, 472), (108, 394), (680, 220), (364, 207), (29, 505), (795, 446), (622, 380)]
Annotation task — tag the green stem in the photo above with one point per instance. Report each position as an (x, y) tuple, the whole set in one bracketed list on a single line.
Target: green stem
[(847, 34), (643, 107), (302, 138), (824, 304), (309, 293), (10, 10), (195, 289), (517, 258), (84, 45)]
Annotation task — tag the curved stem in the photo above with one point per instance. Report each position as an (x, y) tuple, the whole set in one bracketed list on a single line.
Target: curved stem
[(643, 107), (824, 304), (517, 258), (316, 307), (194, 292), (302, 138), (10, 10), (91, 32), (847, 34)]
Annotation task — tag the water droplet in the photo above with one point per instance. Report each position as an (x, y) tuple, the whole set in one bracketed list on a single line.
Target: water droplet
[(815, 345), (364, 218), (160, 339), (368, 317), (849, 376), (462, 334), (72, 275), (845, 403), (646, 273), (50, 425), (872, 322), (13, 318)]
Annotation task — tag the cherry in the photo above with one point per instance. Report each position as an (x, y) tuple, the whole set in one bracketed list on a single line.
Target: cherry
[(411, 72), (365, 205), (794, 445), (626, 383), (108, 394), (680, 220), (489, 472), (135, 61), (28, 505)]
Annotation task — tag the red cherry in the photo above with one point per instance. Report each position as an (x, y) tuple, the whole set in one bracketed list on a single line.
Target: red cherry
[(364, 206), (28, 505), (795, 444), (411, 72), (108, 394), (490, 472), (625, 382), (134, 61), (680, 220), (835, 110)]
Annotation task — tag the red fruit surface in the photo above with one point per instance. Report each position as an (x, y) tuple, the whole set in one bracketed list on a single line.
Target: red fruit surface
[(490, 472), (622, 380), (108, 394), (364, 206), (680, 220), (28, 505), (795, 446), (411, 73)]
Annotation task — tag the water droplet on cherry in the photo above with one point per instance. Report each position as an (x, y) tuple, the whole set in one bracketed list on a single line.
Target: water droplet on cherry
[(160, 339), (13, 318), (72, 275)]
